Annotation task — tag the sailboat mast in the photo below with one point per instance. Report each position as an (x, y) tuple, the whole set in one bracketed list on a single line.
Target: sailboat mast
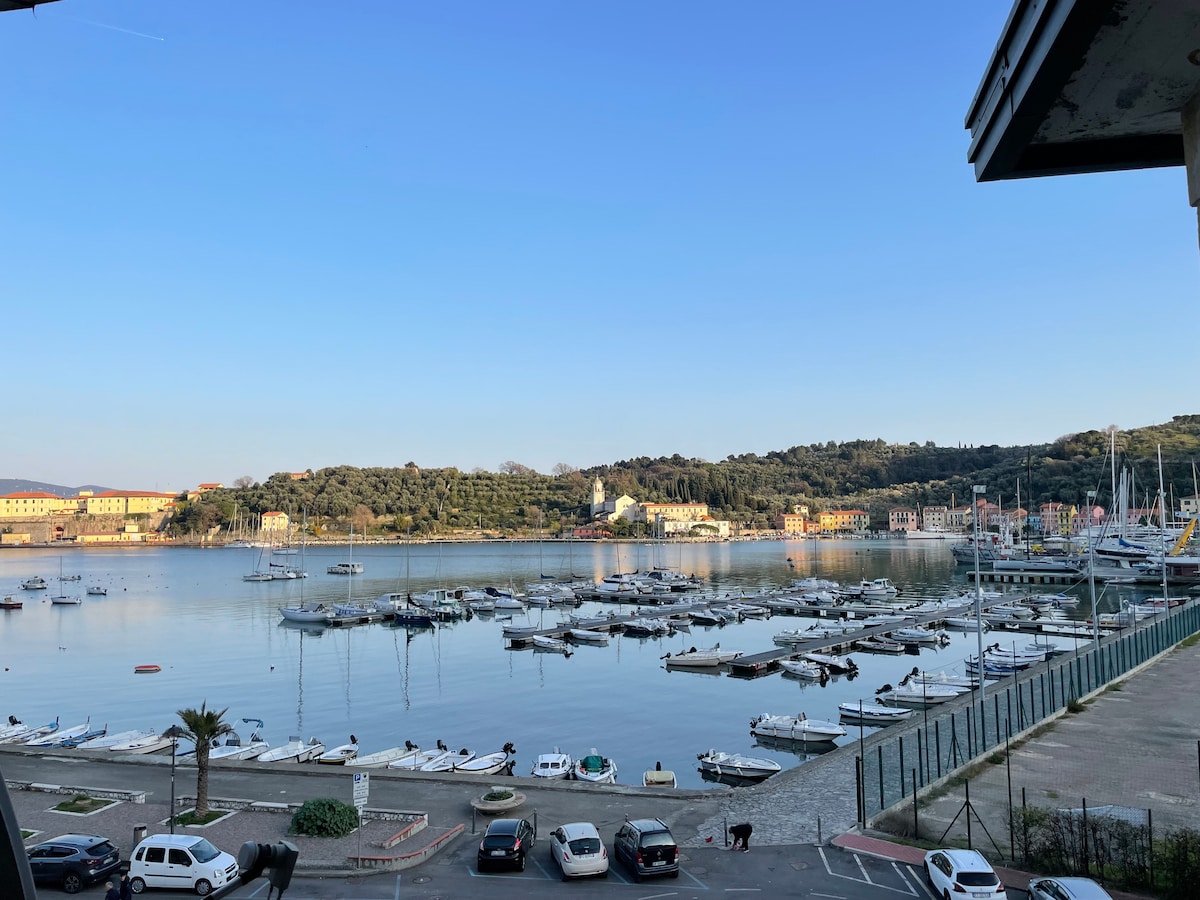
[(1162, 528)]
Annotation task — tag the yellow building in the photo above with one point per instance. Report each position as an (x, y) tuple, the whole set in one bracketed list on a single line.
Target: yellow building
[(29, 504), (125, 503), (844, 520), (275, 523), (790, 523), (670, 512)]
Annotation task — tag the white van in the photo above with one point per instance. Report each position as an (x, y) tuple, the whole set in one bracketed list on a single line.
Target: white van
[(181, 861)]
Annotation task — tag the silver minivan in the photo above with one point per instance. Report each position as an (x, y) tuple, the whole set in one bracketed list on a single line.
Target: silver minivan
[(180, 861)]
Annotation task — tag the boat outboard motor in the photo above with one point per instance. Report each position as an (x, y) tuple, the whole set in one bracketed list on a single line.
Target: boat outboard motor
[(884, 689)]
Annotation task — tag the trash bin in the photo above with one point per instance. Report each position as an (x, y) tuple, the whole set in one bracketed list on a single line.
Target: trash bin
[(139, 835)]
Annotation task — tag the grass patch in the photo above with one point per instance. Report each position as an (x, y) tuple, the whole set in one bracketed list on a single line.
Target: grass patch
[(26, 834), (82, 803), (1074, 706), (1053, 795), (190, 817), (1112, 688), (996, 759), (1191, 640)]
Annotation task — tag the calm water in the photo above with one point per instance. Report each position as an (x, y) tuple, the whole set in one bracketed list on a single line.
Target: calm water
[(220, 640)]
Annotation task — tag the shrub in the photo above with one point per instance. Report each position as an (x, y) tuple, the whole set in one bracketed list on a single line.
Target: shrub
[(325, 818), (497, 796)]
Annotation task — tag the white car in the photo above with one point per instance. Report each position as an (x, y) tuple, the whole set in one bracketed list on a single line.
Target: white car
[(578, 850), (1066, 889), (954, 874), (185, 862)]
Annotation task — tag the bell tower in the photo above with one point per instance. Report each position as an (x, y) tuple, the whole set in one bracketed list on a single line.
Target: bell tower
[(597, 496)]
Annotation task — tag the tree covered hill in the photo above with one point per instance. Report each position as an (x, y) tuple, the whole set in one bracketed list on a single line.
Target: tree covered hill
[(749, 489)]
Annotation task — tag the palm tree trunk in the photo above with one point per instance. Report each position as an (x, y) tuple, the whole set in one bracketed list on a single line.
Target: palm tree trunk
[(202, 751)]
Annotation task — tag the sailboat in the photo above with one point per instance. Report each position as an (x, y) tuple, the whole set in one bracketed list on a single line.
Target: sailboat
[(62, 599), (258, 574), (300, 613), (350, 608)]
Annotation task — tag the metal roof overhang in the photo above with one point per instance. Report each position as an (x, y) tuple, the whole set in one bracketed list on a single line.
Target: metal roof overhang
[(1086, 86), (10, 5)]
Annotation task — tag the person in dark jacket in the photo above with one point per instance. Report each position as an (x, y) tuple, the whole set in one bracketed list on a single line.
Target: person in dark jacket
[(110, 892), (741, 835), (126, 889)]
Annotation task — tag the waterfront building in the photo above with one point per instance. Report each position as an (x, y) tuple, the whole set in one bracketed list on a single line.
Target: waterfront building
[(902, 518), (934, 518), (844, 521)]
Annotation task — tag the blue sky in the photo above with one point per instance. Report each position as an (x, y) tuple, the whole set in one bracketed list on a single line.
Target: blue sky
[(249, 238)]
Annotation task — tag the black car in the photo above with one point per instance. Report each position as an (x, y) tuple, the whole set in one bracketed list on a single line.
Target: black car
[(74, 861), (647, 847), (506, 843)]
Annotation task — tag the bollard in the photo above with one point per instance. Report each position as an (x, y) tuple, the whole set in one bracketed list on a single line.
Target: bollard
[(819, 841)]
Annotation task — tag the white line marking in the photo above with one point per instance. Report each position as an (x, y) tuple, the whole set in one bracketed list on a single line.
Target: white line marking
[(896, 866), (821, 850), (397, 896), (863, 869), (656, 896), (831, 896), (920, 881), (742, 890)]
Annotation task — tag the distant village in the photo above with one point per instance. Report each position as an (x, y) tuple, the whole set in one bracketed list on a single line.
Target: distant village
[(128, 517)]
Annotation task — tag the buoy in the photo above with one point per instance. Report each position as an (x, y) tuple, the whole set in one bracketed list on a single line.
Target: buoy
[(146, 670)]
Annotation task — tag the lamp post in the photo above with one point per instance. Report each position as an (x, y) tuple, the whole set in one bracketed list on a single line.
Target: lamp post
[(1091, 499), (174, 733), (978, 490)]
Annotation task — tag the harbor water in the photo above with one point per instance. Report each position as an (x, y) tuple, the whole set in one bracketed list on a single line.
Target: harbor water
[(220, 640)]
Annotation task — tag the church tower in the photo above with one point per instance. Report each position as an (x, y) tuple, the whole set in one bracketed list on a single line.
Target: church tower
[(597, 497)]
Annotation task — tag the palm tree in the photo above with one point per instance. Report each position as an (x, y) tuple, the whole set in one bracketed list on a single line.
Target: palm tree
[(203, 726)]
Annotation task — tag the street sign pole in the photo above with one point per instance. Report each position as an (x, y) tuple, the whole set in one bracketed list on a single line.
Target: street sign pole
[(362, 790)]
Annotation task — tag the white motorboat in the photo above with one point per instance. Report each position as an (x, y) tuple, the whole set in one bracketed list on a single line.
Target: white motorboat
[(659, 778), (869, 714), (796, 728), (879, 644), (485, 764), (916, 676), (965, 623), (712, 656), (416, 757), (97, 590), (1046, 648), (518, 631), (17, 732), (338, 756), (36, 583), (447, 762), (917, 634), (552, 765), (57, 735), (345, 568), (230, 751), (1011, 611), (295, 750), (553, 645), (380, 758), (150, 743), (737, 764), (802, 668), (587, 636), (66, 600), (107, 741), (885, 619), (917, 695), (793, 636), (833, 662), (596, 769)]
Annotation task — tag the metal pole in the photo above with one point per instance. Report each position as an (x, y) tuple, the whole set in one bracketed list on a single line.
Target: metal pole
[(174, 744), (1091, 497), (976, 490)]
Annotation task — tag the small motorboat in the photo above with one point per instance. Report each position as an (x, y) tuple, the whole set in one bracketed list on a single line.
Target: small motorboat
[(917, 695), (879, 645), (838, 664), (56, 735), (70, 578), (713, 656), (552, 765), (74, 742), (66, 600), (870, 714), (337, 756), (97, 590), (587, 636), (36, 583), (295, 750), (108, 741), (18, 732), (796, 728), (147, 669), (380, 758), (595, 768), (518, 631), (415, 758), (659, 777), (148, 743), (232, 748), (553, 645), (802, 668), (485, 764), (916, 634), (10, 603), (737, 764), (447, 762)]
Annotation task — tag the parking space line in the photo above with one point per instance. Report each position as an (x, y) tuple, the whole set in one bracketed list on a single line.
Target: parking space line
[(830, 896), (903, 878), (920, 880), (863, 869), (821, 851)]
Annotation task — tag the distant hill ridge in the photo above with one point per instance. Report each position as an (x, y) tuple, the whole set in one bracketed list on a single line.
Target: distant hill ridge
[(18, 485)]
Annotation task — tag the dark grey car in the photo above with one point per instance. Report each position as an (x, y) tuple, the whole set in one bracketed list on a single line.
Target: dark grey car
[(647, 847), (73, 861)]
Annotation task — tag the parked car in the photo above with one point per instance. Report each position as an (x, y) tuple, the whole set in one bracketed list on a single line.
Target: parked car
[(647, 847), (506, 843), (180, 861), (1066, 889), (962, 873), (578, 850), (73, 861)]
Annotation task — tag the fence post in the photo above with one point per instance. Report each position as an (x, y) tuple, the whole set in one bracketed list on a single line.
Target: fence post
[(920, 756), (995, 715), (970, 734), (937, 745), (1083, 835), (858, 791), (916, 824), (967, 807), (879, 750), (1012, 852), (1024, 831), (1150, 841), (900, 741)]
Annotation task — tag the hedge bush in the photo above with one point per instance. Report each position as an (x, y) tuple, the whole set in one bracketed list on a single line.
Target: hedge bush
[(325, 818)]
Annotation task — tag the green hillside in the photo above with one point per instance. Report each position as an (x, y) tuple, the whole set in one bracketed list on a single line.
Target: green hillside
[(748, 489)]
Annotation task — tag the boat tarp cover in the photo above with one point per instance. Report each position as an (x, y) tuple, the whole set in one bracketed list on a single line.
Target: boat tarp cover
[(593, 763)]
